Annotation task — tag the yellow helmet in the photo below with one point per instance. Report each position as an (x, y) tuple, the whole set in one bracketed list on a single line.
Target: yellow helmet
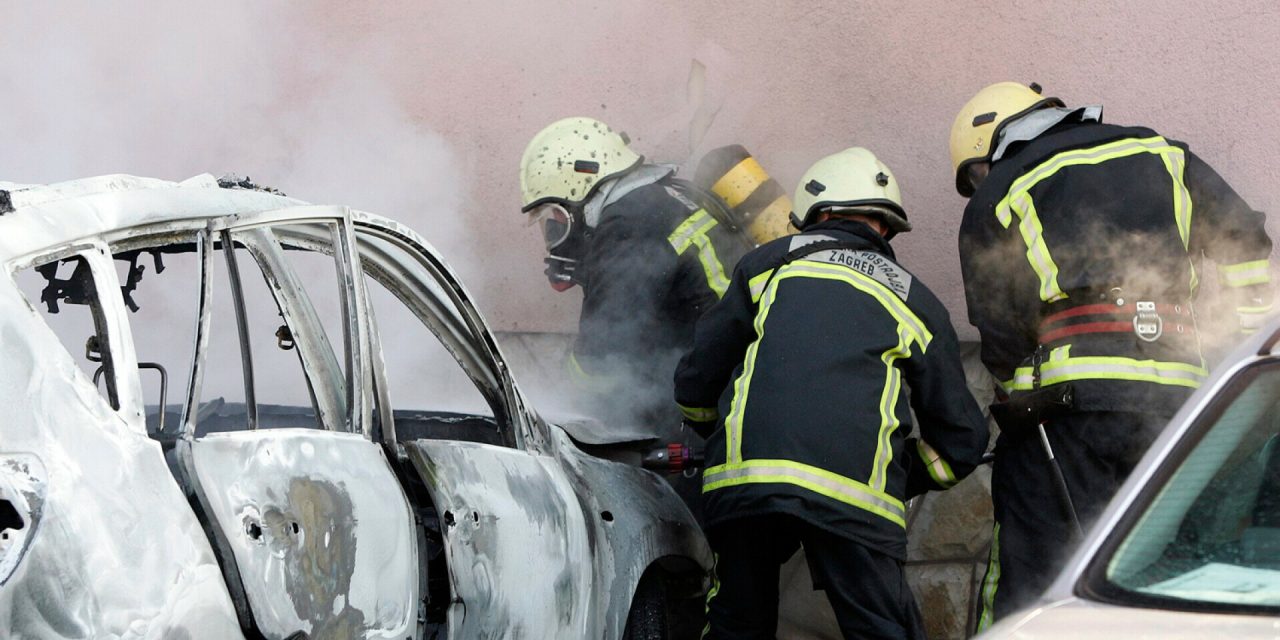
[(974, 132), (852, 178), (567, 159)]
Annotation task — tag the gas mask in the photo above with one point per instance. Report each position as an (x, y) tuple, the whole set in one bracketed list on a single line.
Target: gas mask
[(564, 233)]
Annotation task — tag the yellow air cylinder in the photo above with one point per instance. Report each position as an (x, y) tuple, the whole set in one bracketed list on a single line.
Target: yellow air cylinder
[(758, 202)]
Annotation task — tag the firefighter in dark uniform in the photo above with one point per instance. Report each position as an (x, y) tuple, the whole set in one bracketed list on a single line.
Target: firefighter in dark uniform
[(799, 377), (648, 251), (1081, 249)]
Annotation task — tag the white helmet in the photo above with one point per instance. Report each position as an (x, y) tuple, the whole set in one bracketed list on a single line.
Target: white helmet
[(565, 161), (851, 179)]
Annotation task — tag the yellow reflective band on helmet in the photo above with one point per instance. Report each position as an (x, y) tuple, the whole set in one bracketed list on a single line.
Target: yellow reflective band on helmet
[(938, 468), (1245, 273), (757, 283), (1178, 374), (889, 408), (820, 481), (1018, 201), (699, 414), (693, 232), (740, 182)]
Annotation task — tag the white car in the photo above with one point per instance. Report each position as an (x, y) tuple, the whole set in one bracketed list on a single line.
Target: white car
[(223, 417), (1190, 545)]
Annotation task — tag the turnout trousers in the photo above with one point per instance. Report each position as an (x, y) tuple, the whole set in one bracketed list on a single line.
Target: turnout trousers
[(867, 589), (1034, 536)]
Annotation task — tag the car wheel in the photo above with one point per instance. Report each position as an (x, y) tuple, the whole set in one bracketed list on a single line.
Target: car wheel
[(648, 619)]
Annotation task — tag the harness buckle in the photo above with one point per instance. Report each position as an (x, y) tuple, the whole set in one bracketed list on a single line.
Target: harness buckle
[(1147, 323)]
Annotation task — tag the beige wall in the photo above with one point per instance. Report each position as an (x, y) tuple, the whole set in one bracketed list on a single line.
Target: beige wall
[(794, 81), (235, 87)]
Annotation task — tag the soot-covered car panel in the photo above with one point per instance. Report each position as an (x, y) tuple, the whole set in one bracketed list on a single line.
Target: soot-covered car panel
[(233, 413)]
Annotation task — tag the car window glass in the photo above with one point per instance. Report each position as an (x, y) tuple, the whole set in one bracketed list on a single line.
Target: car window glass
[(1212, 534), (161, 287), (64, 293)]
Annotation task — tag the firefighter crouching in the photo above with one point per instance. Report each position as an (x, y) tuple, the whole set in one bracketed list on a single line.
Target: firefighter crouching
[(798, 376), (1081, 247), (648, 251)]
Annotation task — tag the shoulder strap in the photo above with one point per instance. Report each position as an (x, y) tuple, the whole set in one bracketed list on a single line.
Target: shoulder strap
[(714, 206)]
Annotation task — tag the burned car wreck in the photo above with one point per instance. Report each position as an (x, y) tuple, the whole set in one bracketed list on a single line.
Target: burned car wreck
[(205, 438)]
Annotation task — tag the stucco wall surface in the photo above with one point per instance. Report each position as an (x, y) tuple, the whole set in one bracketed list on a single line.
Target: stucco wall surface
[(795, 81), (420, 109)]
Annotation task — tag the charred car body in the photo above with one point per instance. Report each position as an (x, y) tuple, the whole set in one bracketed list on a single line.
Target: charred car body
[(220, 447)]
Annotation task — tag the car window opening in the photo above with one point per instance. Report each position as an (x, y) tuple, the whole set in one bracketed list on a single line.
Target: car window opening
[(434, 384), (1210, 538), (66, 295)]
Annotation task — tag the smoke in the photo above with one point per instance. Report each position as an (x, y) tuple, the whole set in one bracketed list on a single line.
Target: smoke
[(172, 90)]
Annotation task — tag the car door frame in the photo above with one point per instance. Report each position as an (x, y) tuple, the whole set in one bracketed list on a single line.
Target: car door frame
[(287, 292)]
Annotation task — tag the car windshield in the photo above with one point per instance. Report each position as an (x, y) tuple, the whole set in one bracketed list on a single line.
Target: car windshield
[(1210, 539)]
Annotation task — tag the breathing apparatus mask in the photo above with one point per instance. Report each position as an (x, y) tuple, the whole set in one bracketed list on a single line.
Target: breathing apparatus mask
[(564, 234)]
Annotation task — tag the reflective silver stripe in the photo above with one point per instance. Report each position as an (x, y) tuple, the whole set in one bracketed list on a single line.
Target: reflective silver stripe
[(1175, 160), (1246, 273), (699, 414), (806, 239), (881, 293), (756, 284), (889, 408), (1037, 251), (990, 582), (742, 386), (1082, 368), (1251, 321), (682, 237), (939, 470), (878, 266), (1108, 151), (830, 484)]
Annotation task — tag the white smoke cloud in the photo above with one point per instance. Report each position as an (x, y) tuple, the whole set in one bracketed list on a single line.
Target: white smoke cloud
[(172, 90)]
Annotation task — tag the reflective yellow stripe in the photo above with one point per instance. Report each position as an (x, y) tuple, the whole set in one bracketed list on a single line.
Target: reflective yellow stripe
[(1037, 250), (1174, 161), (1110, 368), (586, 380), (740, 182), (756, 285), (1264, 309), (693, 232), (699, 414), (711, 266), (908, 322), (866, 284), (990, 582), (742, 386), (1090, 156), (820, 481), (713, 592), (938, 468), (889, 408), (1018, 201), (1245, 273)]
